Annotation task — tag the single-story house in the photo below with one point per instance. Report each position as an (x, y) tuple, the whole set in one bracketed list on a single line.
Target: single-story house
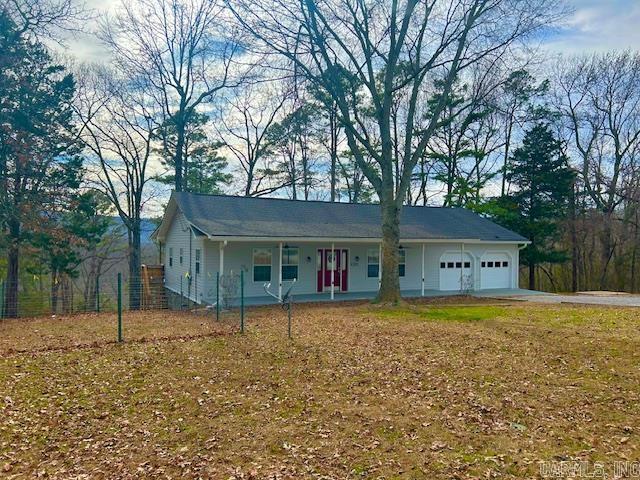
[(328, 248)]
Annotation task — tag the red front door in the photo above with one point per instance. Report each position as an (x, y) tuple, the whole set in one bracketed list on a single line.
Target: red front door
[(337, 267), (344, 277)]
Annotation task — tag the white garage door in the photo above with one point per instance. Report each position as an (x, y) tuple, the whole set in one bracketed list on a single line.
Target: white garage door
[(456, 272), (495, 271)]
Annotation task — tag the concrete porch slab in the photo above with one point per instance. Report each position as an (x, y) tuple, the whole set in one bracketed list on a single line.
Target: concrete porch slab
[(352, 296)]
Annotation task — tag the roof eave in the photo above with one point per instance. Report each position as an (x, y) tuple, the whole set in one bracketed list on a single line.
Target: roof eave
[(253, 238), (160, 233)]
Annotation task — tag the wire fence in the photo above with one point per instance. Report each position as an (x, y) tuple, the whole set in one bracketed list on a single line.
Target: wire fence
[(20, 301), (225, 297), (118, 311)]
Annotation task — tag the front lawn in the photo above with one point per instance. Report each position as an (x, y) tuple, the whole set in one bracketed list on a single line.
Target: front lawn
[(362, 391)]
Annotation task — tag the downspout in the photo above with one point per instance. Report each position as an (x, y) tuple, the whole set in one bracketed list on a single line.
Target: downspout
[(190, 259), (379, 266), (280, 271), (221, 248)]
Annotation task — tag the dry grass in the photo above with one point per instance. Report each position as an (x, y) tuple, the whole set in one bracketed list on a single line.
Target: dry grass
[(418, 391), (100, 329)]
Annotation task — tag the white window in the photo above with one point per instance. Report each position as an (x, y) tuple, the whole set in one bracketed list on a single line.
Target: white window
[(373, 263), (402, 261), (181, 255), (171, 256), (197, 261), (261, 265), (290, 261)]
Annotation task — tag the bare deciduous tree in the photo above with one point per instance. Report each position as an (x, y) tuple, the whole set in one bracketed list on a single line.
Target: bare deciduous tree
[(243, 126), (118, 128), (181, 53), (46, 19), (599, 98), (365, 54)]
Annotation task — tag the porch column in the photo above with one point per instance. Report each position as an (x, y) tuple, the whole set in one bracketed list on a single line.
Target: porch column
[(379, 266), (280, 271), (221, 266), (422, 270), (462, 267), (333, 269)]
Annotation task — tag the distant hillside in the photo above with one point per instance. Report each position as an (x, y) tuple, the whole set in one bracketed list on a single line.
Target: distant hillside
[(148, 227)]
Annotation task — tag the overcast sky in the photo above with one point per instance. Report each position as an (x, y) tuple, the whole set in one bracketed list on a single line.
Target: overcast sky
[(595, 25)]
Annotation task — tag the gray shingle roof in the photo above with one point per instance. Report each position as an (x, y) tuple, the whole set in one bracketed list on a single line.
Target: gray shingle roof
[(221, 215)]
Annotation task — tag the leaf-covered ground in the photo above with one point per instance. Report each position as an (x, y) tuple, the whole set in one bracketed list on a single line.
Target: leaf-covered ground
[(101, 329), (419, 391)]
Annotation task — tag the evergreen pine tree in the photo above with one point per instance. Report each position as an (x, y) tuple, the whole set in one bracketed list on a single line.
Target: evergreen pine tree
[(543, 180), (203, 167), (39, 166)]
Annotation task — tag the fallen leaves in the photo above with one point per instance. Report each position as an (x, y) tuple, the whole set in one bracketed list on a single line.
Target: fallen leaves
[(360, 392), (437, 446)]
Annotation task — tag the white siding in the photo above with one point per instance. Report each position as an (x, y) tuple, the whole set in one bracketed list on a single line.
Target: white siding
[(210, 268), (239, 256), (180, 277)]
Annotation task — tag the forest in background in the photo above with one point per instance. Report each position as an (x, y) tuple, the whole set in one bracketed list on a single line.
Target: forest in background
[(198, 95)]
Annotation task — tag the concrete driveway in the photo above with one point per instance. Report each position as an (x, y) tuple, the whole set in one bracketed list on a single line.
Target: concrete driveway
[(591, 298)]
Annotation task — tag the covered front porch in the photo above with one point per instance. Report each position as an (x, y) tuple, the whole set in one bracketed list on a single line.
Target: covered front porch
[(339, 269), (336, 270)]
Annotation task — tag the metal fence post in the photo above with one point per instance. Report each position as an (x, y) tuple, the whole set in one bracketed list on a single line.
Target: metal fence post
[(181, 297), (289, 317), (217, 296), (97, 294), (119, 307), (241, 301)]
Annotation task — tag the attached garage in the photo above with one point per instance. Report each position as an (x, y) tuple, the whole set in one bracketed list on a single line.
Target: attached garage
[(495, 271), (456, 271)]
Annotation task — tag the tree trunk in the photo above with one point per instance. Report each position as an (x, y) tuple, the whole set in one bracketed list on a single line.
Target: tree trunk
[(390, 284), (574, 240), (423, 182), (67, 294), (450, 179), (634, 256), (306, 183), (505, 162), (13, 263), (532, 276), (89, 291), (606, 251), (178, 155), (135, 264), (247, 187), (333, 153), (293, 176)]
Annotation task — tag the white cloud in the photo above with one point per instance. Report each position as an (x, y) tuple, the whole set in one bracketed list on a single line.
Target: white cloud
[(595, 25), (84, 45), (598, 25)]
